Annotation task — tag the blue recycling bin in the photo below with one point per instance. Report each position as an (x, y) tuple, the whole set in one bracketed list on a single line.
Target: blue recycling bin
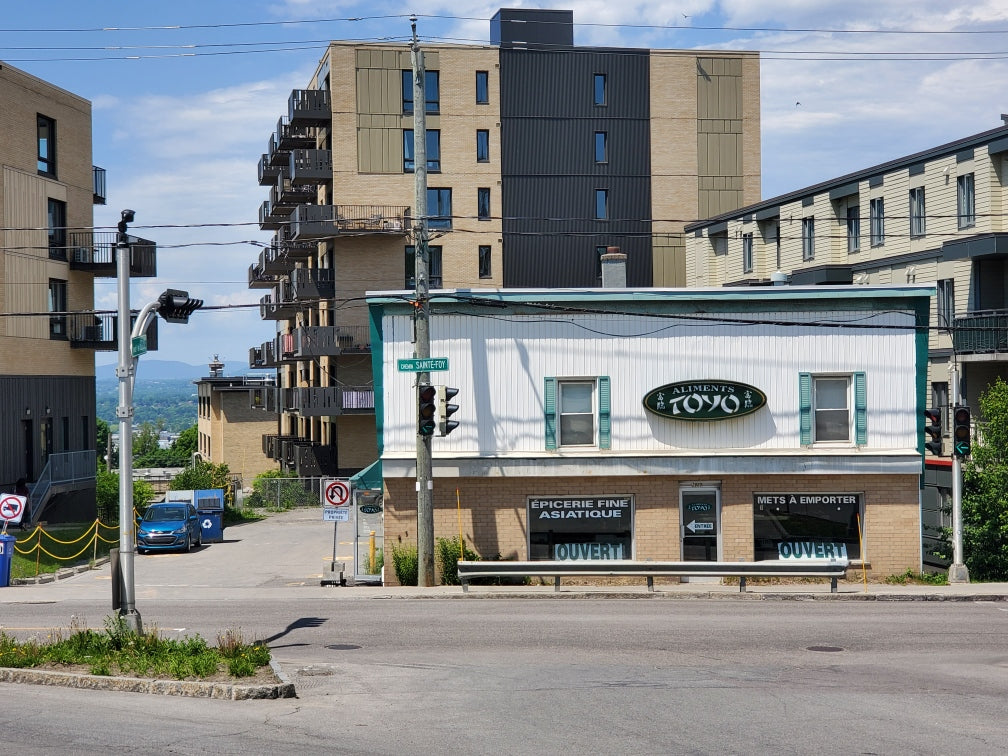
[(6, 558), (210, 506)]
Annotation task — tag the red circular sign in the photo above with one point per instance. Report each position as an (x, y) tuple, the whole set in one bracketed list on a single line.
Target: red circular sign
[(11, 507), (337, 493)]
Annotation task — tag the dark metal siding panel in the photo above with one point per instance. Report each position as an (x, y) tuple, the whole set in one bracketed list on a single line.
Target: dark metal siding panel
[(549, 173)]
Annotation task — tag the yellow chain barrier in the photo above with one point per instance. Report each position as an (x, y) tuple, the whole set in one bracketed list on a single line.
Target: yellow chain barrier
[(92, 534)]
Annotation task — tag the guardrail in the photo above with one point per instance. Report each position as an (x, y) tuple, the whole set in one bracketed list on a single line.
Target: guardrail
[(825, 568)]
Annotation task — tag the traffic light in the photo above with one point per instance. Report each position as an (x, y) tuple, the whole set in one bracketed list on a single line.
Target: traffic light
[(961, 433), (933, 430), (175, 305), (445, 410), (426, 409)]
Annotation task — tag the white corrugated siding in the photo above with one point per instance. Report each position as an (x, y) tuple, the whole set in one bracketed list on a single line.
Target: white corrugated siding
[(499, 364)]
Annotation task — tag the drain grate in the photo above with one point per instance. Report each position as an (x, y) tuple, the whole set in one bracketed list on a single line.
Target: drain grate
[(824, 649)]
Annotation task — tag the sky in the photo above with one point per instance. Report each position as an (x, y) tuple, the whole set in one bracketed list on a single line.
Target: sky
[(186, 94)]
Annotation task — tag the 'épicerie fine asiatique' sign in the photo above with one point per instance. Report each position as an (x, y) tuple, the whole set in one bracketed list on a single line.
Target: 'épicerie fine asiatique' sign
[(704, 400)]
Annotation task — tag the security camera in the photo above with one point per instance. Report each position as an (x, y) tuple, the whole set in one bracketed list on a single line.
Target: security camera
[(127, 216)]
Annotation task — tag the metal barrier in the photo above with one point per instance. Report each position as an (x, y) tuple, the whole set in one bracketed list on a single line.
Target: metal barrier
[(825, 568), (62, 469)]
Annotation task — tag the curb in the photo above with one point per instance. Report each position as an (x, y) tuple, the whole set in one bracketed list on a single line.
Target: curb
[(61, 574), (190, 688)]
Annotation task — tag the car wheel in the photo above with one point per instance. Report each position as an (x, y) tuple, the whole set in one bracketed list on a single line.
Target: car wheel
[(140, 551), (188, 542), (199, 540)]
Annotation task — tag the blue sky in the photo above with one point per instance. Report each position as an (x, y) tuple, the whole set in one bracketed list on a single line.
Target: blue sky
[(181, 115)]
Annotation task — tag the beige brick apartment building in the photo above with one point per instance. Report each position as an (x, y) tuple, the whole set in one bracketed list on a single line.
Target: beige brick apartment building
[(540, 155)]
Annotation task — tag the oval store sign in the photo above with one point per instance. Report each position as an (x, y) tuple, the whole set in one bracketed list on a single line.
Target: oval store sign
[(704, 400)]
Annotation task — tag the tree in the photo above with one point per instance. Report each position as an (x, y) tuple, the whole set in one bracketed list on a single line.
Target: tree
[(185, 445), (202, 475), (145, 442), (985, 490), (102, 433), (107, 495)]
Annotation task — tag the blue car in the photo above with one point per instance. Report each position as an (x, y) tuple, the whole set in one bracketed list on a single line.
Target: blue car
[(171, 525)]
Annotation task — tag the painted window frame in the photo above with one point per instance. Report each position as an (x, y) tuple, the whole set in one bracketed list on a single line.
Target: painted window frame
[(601, 204), (433, 267), (45, 134), (853, 229), (918, 210), (439, 207), (601, 436), (483, 203), (432, 86), (57, 302), (876, 221), (485, 261), (600, 89), (747, 253), (56, 219), (482, 88), (945, 302), (856, 409), (601, 147), (808, 238), (482, 145), (966, 200), (433, 151)]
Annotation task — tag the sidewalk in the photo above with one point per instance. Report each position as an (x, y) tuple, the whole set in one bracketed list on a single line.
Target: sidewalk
[(282, 557)]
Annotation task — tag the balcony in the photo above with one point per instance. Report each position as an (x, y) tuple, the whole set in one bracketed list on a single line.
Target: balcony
[(95, 252), (263, 398), (310, 166), (98, 182), (276, 446), (285, 196), (313, 460), (313, 283), (268, 173), (258, 278), (287, 247), (289, 137), (327, 401), (309, 107), (100, 331), (264, 355), (268, 219), (279, 305), (982, 335), (324, 221)]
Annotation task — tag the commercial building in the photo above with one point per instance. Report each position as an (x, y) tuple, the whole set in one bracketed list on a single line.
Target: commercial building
[(938, 217), (49, 257), (685, 424), (540, 155)]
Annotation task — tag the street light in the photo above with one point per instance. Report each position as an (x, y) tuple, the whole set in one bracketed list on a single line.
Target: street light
[(176, 306)]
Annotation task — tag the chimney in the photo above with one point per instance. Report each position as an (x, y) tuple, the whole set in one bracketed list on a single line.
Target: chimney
[(613, 269), (216, 368)]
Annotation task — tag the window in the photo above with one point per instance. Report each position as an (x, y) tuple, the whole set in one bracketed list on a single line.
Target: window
[(483, 203), (853, 229), (46, 146), (831, 408), (601, 147), (601, 204), (917, 223), (946, 302), (433, 267), (57, 230), (482, 88), (57, 303), (747, 253), (600, 89), (575, 411), (780, 520), (876, 210), (482, 146), (439, 208), (433, 150), (808, 238), (966, 202), (484, 261), (940, 400), (431, 91)]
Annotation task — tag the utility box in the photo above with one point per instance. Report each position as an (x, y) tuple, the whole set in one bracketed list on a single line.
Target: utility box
[(6, 557), (210, 506)]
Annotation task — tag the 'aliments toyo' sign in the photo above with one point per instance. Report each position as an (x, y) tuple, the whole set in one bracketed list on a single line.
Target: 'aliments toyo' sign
[(704, 400)]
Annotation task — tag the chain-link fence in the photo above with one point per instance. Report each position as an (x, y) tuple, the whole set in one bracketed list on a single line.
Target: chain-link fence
[(281, 494)]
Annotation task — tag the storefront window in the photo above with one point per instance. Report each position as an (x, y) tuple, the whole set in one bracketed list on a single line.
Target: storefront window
[(576, 528), (807, 525)]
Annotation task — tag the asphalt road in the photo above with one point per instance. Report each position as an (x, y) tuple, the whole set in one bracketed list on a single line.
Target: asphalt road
[(390, 672)]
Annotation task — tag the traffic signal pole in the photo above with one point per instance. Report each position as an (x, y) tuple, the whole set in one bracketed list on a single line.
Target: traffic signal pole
[(958, 573), (424, 466)]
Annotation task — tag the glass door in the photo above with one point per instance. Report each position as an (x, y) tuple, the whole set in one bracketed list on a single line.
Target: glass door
[(700, 523)]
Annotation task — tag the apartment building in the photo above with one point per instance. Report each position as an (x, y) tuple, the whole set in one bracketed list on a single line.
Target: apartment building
[(49, 257), (616, 424), (540, 155)]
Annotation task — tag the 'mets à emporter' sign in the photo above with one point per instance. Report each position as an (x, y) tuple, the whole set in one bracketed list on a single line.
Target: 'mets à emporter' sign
[(704, 400)]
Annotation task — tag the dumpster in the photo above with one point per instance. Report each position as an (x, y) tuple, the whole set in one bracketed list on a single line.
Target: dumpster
[(6, 557), (210, 506)]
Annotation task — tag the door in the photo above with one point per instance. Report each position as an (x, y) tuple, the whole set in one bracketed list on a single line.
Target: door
[(700, 523), (29, 449)]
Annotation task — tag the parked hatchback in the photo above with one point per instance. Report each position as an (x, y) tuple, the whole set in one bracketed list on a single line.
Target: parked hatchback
[(171, 525)]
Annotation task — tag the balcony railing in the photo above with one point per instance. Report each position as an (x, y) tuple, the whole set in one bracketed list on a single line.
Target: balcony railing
[(326, 401), (313, 460), (287, 138), (313, 283), (264, 355), (279, 305), (285, 196), (98, 180), (100, 331), (258, 278), (268, 172), (309, 107), (982, 332), (263, 398), (323, 221), (267, 220), (310, 166), (95, 252)]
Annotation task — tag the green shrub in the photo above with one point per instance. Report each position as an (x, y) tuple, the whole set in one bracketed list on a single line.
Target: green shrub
[(405, 564), (447, 555)]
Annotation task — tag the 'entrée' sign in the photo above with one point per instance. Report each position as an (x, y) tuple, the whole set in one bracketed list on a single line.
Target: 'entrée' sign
[(704, 400)]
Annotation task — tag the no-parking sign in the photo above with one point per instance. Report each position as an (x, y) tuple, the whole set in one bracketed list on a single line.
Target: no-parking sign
[(335, 493), (12, 507)]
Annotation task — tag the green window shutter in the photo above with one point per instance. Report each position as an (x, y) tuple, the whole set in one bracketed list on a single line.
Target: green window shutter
[(860, 410), (549, 409), (805, 407), (604, 425)]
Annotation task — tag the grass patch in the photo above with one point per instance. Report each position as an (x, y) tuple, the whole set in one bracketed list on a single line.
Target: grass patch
[(62, 546), (917, 578), (119, 651)]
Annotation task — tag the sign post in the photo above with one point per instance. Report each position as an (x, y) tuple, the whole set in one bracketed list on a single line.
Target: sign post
[(335, 509)]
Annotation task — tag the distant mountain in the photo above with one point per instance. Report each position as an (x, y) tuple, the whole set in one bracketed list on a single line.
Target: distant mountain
[(172, 370)]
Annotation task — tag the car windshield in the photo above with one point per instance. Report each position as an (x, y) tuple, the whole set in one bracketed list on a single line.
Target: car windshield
[(164, 514)]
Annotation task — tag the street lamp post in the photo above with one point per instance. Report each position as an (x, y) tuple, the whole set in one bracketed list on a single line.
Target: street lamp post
[(174, 306)]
